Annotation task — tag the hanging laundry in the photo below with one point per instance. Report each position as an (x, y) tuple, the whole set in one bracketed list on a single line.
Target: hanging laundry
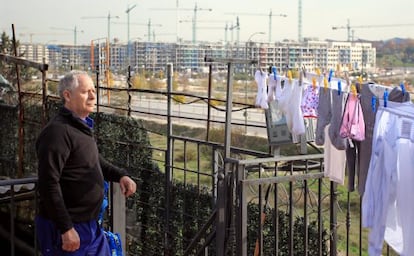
[(358, 157), (338, 99), (334, 160), (310, 101), (261, 81), (324, 115), (389, 186), (330, 111), (353, 125), (289, 102), (274, 87)]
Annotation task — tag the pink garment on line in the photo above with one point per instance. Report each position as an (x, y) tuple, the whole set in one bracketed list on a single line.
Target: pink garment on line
[(353, 125)]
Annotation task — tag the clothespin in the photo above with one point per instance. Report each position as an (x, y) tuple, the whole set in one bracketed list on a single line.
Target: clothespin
[(274, 70), (353, 90), (338, 69), (318, 71), (360, 82), (339, 87), (385, 98), (325, 84), (330, 75), (290, 76), (373, 103), (402, 88), (314, 83)]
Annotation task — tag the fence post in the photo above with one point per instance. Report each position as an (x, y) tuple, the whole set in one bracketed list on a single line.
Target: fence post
[(333, 220), (119, 214), (168, 162)]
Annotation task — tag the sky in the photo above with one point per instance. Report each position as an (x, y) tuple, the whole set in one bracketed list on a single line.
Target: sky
[(55, 22)]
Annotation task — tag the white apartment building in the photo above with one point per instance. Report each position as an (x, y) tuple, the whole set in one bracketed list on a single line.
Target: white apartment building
[(188, 56), (34, 52)]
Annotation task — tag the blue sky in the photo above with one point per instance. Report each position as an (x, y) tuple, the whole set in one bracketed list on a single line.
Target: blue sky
[(36, 18)]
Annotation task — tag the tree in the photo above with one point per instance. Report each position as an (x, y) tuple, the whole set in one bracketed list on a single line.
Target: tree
[(139, 82), (9, 70)]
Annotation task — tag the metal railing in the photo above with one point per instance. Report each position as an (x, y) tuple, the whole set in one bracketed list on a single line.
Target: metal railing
[(15, 194)]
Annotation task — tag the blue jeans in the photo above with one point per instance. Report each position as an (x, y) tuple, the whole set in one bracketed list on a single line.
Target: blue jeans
[(92, 239)]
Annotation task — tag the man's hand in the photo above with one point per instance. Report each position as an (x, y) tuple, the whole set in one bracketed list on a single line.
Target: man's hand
[(128, 186), (70, 240)]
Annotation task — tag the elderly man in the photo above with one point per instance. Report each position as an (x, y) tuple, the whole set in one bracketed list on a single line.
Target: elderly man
[(72, 173)]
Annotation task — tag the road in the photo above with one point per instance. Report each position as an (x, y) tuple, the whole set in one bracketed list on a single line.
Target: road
[(255, 117)]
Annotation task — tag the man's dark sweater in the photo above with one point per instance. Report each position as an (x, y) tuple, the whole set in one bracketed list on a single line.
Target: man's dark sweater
[(71, 172)]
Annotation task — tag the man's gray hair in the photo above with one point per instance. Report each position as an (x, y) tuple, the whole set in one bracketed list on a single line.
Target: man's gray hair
[(69, 82)]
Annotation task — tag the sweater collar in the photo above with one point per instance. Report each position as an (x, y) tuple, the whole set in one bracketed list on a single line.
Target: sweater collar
[(88, 121)]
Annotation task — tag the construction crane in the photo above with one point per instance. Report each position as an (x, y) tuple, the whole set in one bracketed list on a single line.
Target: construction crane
[(262, 14), (195, 10), (109, 17), (161, 34), (300, 21), (75, 36), (74, 30), (350, 28), (233, 27), (30, 35), (194, 28), (149, 25)]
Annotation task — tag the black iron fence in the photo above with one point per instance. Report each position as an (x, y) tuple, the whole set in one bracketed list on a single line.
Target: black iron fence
[(197, 196)]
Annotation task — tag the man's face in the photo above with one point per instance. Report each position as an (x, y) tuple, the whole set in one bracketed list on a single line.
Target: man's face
[(81, 100)]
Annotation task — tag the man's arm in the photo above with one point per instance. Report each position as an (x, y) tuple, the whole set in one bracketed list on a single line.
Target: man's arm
[(111, 172), (116, 174)]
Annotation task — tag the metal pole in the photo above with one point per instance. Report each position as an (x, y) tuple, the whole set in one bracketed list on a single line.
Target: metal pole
[(97, 89), (129, 92), (168, 160), (209, 100), (221, 200), (333, 228), (44, 96), (21, 112), (245, 89), (229, 108), (129, 43)]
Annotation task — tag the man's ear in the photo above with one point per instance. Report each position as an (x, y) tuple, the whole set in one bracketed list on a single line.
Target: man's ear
[(66, 95)]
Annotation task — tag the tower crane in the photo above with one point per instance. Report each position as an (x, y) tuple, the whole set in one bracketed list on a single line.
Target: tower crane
[(195, 10), (348, 27), (233, 27), (299, 21), (75, 36), (205, 21), (262, 14), (149, 26), (161, 34), (30, 35), (109, 17)]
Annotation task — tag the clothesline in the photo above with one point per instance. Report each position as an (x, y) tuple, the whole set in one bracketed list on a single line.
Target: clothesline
[(343, 83), (375, 147)]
